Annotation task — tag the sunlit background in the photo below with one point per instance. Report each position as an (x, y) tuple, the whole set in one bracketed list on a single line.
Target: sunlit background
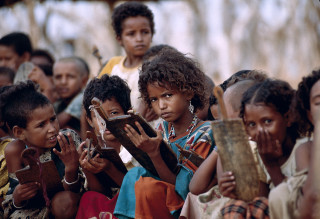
[(224, 36)]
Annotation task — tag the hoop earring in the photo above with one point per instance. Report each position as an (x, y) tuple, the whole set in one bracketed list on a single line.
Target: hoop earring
[(191, 108)]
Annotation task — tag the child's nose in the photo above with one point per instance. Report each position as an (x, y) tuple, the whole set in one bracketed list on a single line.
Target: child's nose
[(139, 37), (162, 104)]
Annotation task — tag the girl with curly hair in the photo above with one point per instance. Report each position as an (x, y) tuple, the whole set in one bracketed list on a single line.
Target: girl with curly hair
[(173, 86), (299, 195)]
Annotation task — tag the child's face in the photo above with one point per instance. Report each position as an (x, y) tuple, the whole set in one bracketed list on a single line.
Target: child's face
[(136, 36), (9, 58), (67, 79), (112, 109), (168, 104), (258, 117), (5, 81), (314, 102), (42, 128)]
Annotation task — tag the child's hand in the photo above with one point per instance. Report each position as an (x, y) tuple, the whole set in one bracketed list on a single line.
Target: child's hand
[(270, 150), (149, 145), (227, 184), (25, 192), (68, 155), (94, 165)]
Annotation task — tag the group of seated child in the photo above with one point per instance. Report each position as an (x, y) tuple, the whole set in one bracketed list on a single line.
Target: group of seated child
[(44, 117)]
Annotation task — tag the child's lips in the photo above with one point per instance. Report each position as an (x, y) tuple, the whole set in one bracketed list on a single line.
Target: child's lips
[(53, 138)]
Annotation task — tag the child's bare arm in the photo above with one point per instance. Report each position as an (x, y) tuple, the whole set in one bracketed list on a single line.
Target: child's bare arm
[(205, 176), (13, 155), (302, 156), (152, 147)]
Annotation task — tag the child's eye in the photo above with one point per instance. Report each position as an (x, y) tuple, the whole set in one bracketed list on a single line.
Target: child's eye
[(168, 95), (146, 32), (41, 125), (130, 33), (53, 118), (267, 121), (152, 100), (114, 113), (251, 124)]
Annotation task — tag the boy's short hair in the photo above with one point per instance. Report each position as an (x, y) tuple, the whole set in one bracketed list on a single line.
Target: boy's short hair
[(176, 70), (43, 53), (80, 63), (106, 88), (20, 42), (18, 102), (8, 72), (130, 9)]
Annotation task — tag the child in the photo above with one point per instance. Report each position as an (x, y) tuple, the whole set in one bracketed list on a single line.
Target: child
[(32, 119), (114, 94), (70, 76), (297, 197), (6, 76), (267, 115), (134, 28), (15, 48), (172, 85), (204, 197)]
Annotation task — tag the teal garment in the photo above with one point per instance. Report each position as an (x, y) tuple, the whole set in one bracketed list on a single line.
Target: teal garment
[(125, 207)]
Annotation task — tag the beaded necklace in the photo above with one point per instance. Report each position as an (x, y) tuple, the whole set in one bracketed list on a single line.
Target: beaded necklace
[(193, 124)]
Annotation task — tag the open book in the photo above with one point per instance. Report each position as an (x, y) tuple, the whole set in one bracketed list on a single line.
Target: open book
[(116, 126), (96, 146)]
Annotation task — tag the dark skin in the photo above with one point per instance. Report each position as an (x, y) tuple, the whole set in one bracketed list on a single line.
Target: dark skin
[(24, 192)]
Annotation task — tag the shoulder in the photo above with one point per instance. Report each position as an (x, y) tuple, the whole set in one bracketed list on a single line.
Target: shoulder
[(110, 64), (13, 154), (302, 155)]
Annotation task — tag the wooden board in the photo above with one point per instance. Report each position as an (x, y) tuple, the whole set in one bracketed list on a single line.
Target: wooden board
[(236, 156), (31, 173), (105, 152), (116, 127)]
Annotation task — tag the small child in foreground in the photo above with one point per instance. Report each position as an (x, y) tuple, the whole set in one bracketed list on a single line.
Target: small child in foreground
[(32, 119)]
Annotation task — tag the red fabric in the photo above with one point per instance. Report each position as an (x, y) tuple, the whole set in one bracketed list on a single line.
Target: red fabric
[(155, 199), (94, 204)]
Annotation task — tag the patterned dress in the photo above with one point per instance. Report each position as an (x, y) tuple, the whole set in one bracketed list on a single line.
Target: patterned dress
[(143, 195)]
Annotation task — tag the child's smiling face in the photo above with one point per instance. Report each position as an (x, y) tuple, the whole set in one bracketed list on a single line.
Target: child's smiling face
[(136, 36), (258, 117), (42, 128)]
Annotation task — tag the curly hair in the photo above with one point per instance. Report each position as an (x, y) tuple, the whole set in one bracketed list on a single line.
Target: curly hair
[(130, 9), (303, 99), (19, 101), (274, 93), (175, 70), (106, 88)]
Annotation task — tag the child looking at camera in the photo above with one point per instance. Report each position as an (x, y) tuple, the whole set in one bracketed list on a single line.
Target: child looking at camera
[(172, 85)]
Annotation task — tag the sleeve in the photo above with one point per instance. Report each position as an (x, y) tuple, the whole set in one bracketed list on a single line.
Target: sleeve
[(107, 69), (75, 107)]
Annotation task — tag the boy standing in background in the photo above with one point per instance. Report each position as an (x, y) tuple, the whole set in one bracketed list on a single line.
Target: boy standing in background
[(134, 28)]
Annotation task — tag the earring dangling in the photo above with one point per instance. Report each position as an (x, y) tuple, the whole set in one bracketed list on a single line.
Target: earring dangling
[(191, 108)]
